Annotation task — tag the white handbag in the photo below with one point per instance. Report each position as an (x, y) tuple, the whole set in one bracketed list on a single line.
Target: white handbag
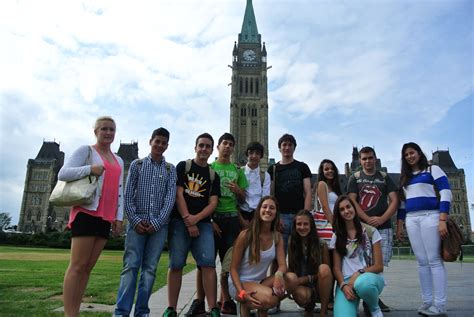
[(75, 193)]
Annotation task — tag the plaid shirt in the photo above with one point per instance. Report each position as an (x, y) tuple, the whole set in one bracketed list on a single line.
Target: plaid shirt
[(150, 192)]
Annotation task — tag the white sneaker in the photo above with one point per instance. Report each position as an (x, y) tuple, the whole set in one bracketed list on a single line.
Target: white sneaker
[(377, 313), (423, 307), (434, 311)]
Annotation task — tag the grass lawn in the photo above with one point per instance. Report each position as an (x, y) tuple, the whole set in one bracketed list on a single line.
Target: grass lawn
[(31, 280)]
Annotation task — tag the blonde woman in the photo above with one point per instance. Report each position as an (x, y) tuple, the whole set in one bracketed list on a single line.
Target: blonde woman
[(91, 224)]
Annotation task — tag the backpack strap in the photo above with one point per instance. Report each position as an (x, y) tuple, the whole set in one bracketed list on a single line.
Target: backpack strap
[(168, 165), (212, 173), (272, 188), (262, 177), (357, 175)]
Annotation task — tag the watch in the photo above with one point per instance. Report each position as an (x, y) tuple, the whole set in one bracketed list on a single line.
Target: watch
[(361, 271), (249, 55)]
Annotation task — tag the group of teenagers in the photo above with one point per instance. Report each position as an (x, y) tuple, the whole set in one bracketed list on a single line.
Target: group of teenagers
[(272, 241)]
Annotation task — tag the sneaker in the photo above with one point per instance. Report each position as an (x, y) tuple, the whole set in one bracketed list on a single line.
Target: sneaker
[(215, 312), (383, 307), (197, 308), (366, 309), (377, 313), (434, 311), (423, 307), (229, 308), (170, 312)]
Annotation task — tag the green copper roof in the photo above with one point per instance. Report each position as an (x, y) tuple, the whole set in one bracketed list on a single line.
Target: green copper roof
[(249, 33)]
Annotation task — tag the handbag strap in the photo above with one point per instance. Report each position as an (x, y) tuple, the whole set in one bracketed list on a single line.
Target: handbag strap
[(89, 156), (317, 203)]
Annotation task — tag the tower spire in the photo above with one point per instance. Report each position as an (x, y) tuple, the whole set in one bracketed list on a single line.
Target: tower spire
[(249, 33)]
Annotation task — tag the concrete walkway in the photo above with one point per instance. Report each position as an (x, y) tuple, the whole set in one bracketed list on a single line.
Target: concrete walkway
[(402, 292)]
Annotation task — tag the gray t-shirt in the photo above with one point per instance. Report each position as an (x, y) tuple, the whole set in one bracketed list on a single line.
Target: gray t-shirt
[(372, 193)]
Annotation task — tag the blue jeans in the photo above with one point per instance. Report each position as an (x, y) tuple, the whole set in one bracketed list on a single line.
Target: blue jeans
[(179, 244), (287, 220), (142, 251), (368, 287)]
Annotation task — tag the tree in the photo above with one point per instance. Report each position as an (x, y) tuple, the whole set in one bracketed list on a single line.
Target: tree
[(5, 219)]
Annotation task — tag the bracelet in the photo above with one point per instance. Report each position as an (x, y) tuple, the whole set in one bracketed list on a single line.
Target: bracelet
[(442, 220), (278, 273), (242, 294), (343, 284)]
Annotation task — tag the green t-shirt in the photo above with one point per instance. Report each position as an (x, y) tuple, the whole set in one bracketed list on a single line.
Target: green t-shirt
[(228, 172)]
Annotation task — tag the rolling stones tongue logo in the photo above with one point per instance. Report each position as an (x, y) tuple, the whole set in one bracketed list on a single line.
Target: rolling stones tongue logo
[(369, 196)]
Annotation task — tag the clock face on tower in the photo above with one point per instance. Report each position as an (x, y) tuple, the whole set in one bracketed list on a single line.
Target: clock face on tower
[(249, 55)]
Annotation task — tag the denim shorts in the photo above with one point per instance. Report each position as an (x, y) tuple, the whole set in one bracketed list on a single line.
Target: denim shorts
[(179, 244)]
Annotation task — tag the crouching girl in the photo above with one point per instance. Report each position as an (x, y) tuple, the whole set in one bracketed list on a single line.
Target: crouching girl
[(357, 261), (254, 250), (309, 277)]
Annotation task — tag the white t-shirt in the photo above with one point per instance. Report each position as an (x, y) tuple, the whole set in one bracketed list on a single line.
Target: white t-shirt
[(354, 259)]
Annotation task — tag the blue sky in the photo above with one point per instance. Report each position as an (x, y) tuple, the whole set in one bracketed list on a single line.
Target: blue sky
[(344, 73)]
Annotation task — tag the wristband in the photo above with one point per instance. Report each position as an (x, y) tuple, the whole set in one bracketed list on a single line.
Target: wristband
[(242, 294), (442, 220), (344, 284), (278, 273)]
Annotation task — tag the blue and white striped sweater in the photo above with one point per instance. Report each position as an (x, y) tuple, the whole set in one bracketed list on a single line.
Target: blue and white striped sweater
[(420, 194)]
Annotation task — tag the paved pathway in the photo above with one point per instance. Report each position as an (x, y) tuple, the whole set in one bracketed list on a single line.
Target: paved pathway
[(402, 292)]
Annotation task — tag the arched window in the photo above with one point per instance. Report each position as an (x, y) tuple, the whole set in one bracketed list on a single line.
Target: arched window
[(240, 85), (28, 215), (256, 86), (66, 216), (246, 85), (251, 85), (38, 215)]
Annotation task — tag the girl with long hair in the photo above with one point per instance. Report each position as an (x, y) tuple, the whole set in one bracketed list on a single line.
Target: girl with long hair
[(425, 219), (309, 276), (91, 224), (254, 250), (357, 259), (326, 191)]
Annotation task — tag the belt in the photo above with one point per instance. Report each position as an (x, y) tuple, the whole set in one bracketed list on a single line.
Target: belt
[(230, 214)]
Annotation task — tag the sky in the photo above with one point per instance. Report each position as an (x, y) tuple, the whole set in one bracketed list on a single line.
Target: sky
[(343, 74)]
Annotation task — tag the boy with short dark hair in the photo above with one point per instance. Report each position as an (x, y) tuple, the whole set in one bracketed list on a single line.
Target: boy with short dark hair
[(197, 193), (226, 217), (376, 200), (291, 180), (149, 197), (259, 182)]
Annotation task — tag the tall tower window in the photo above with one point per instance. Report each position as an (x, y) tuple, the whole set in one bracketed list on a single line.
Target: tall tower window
[(38, 215), (243, 112), (246, 85), (251, 85), (240, 85), (28, 215), (256, 86)]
